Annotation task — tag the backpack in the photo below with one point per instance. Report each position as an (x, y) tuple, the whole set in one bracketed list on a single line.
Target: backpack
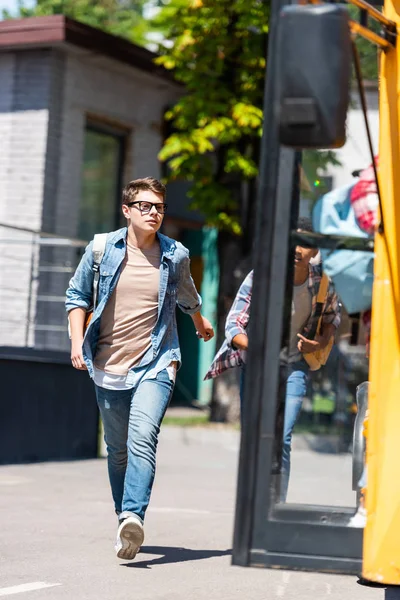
[(352, 271), (318, 358), (98, 249)]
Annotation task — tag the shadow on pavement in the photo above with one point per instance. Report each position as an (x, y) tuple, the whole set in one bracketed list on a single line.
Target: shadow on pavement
[(172, 555)]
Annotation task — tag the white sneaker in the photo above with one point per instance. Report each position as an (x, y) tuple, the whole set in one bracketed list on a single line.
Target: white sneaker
[(359, 519), (130, 537)]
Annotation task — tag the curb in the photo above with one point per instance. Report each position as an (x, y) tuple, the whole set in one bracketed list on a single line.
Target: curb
[(228, 437)]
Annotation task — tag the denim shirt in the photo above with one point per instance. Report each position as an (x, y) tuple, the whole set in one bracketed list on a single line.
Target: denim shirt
[(176, 288)]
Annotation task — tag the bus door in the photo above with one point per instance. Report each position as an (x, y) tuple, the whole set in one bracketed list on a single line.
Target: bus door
[(307, 518)]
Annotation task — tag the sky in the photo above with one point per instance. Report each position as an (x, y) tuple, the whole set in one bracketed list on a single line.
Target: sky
[(12, 5)]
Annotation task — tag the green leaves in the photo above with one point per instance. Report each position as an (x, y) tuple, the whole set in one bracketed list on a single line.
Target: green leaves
[(248, 116), (238, 163), (315, 164), (368, 51), (216, 48)]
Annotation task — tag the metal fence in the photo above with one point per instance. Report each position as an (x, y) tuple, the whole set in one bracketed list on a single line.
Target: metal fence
[(35, 268)]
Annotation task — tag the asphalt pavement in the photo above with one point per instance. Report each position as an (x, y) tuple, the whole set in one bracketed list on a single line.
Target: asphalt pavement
[(58, 528)]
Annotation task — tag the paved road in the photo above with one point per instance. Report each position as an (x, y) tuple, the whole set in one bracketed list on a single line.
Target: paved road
[(57, 530)]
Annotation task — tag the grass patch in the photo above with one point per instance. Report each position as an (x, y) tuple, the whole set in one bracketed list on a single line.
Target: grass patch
[(191, 421), (203, 420), (318, 429)]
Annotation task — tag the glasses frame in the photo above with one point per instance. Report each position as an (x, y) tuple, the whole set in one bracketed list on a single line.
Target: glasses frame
[(163, 204)]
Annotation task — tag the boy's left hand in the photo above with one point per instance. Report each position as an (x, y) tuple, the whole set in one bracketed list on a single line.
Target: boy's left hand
[(204, 329), (306, 346)]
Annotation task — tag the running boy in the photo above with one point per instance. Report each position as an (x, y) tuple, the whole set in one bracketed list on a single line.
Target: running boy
[(307, 278), (131, 346)]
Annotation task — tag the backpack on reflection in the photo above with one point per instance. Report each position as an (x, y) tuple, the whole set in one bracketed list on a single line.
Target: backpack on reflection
[(318, 358), (352, 271)]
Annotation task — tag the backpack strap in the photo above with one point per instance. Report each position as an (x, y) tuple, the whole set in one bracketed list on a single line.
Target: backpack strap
[(321, 297), (323, 289), (99, 246)]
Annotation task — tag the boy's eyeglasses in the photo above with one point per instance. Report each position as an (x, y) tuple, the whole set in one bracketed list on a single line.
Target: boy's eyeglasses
[(145, 207)]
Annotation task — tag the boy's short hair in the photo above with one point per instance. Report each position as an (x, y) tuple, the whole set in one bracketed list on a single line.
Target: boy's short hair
[(151, 184), (304, 224)]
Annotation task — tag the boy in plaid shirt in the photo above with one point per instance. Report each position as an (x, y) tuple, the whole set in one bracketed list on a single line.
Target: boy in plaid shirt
[(233, 351)]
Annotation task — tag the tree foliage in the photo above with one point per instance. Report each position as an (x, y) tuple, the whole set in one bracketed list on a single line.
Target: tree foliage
[(368, 52), (315, 164), (124, 18), (218, 51)]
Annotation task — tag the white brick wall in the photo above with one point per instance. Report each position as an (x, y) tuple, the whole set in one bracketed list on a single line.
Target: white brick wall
[(7, 65), (23, 134), (26, 168), (18, 264)]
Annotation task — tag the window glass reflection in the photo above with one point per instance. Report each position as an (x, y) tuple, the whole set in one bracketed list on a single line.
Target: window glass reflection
[(101, 183), (325, 414)]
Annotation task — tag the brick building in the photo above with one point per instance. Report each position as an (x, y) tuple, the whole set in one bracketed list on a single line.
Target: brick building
[(81, 112)]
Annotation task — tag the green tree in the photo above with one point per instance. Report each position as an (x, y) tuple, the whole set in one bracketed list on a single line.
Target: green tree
[(218, 51), (315, 164), (368, 52), (124, 18)]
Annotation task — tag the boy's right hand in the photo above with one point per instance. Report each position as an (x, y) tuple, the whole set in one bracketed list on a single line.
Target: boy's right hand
[(240, 341), (77, 356)]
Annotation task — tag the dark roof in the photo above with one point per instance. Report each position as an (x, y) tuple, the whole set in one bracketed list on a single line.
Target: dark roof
[(58, 29)]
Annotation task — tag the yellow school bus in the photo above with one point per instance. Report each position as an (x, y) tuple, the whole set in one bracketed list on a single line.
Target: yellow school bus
[(381, 555), (309, 110)]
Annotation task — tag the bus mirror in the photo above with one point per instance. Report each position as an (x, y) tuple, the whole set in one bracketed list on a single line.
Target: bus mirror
[(314, 70)]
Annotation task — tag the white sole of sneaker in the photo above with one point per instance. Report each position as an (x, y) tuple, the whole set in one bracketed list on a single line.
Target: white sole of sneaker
[(132, 536)]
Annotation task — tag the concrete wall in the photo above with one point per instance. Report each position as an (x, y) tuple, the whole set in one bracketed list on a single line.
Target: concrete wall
[(355, 153)]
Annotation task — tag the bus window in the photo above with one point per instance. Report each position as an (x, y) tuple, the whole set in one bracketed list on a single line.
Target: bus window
[(323, 359)]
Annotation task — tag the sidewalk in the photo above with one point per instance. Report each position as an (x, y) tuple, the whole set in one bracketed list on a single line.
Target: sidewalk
[(57, 531)]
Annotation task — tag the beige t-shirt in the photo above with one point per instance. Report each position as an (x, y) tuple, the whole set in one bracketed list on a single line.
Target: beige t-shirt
[(301, 311), (131, 313)]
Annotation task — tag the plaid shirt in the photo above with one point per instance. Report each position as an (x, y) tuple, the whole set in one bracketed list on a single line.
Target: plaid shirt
[(239, 315)]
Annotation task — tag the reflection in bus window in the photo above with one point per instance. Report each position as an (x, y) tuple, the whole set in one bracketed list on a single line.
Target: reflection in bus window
[(325, 431), (315, 319)]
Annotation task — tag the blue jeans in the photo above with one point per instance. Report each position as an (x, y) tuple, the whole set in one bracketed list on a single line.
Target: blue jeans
[(296, 387), (131, 420)]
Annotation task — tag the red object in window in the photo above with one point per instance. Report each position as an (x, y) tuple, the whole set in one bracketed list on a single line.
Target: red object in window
[(364, 199)]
